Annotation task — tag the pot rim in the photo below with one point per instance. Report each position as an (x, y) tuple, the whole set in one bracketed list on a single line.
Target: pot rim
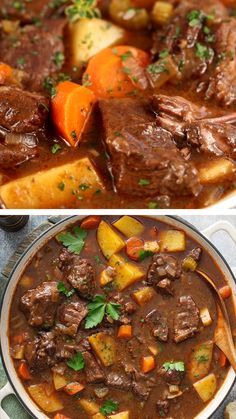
[(70, 220)]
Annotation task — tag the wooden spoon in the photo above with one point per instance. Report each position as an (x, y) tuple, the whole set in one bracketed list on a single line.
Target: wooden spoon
[(223, 334)]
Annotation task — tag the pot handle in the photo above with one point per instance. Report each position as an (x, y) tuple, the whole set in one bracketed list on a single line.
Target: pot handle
[(4, 392), (221, 225)]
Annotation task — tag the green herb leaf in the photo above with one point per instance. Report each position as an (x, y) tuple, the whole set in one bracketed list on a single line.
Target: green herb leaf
[(174, 366), (144, 182), (56, 148), (113, 310), (77, 362), (81, 9), (95, 317), (74, 242), (143, 254), (108, 407), (97, 310), (61, 288)]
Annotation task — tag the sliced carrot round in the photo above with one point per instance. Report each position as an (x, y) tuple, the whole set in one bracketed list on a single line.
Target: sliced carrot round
[(5, 72), (91, 222), (107, 75), (133, 247)]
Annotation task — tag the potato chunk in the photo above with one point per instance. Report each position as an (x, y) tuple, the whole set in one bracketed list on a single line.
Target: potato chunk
[(172, 241), (57, 187), (90, 36), (59, 381), (206, 387), (121, 415), (200, 360), (144, 295), (48, 403), (109, 241), (89, 406), (105, 347), (216, 171), (129, 226), (126, 273)]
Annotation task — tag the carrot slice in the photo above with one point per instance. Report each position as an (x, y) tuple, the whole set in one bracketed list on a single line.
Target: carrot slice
[(125, 331), (106, 74), (60, 416), (147, 364), (222, 359), (73, 388), (91, 222), (225, 292), (24, 371), (71, 109), (133, 247), (5, 72)]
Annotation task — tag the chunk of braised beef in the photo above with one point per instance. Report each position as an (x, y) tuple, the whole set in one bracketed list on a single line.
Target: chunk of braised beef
[(40, 352), (186, 320), (118, 380), (158, 325), (165, 286), (162, 271), (72, 313), (141, 390), (171, 376), (40, 304), (93, 371), (13, 155), (30, 11), (163, 407)]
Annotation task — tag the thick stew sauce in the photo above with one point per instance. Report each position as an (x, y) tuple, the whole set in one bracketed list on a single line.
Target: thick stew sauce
[(117, 104), (111, 320)]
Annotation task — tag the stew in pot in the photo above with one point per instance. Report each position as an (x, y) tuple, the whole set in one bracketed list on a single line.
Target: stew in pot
[(117, 104), (110, 320)]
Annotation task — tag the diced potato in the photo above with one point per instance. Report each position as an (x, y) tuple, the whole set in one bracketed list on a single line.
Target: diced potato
[(18, 352), (143, 295), (90, 36), (206, 387), (126, 273), (48, 403), (172, 241), (59, 381), (205, 317), (216, 171), (162, 12), (98, 416), (200, 360), (109, 241), (57, 187), (124, 14), (89, 406), (107, 276), (152, 246), (105, 347), (129, 226), (121, 415)]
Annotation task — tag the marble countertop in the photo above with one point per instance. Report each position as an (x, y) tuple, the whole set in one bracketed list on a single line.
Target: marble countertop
[(10, 242)]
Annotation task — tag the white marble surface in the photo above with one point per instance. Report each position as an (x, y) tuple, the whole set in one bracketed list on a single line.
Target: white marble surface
[(10, 241)]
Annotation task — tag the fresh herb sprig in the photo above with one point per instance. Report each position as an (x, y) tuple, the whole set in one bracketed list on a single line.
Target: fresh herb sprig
[(77, 362), (108, 407), (97, 310), (62, 289), (74, 242), (174, 366)]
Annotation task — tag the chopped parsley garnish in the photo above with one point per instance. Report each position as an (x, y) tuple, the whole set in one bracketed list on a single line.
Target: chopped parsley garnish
[(56, 148), (49, 86), (74, 242), (196, 18), (108, 407), (84, 186), (126, 55), (157, 68), (21, 62), (144, 182), (97, 310), (143, 254), (98, 260), (203, 52), (81, 9), (73, 135), (174, 366), (77, 362), (153, 205), (164, 53), (202, 358), (62, 288), (58, 59), (61, 186)]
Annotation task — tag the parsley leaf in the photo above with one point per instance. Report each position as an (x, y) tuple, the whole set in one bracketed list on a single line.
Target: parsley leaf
[(108, 407), (97, 310), (143, 254), (74, 242), (77, 362), (61, 288), (56, 148), (82, 9), (174, 366)]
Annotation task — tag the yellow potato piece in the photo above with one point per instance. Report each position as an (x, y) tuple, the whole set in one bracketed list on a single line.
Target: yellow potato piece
[(217, 171), (121, 415), (126, 273), (206, 387), (57, 187), (98, 416), (143, 295), (109, 241), (47, 403), (200, 360), (89, 406), (172, 241), (59, 381), (129, 226), (105, 347)]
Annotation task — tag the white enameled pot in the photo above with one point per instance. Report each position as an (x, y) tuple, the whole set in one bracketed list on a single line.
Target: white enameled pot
[(14, 385)]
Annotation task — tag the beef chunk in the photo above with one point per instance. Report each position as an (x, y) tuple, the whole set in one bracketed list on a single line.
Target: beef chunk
[(119, 381), (30, 11), (93, 371), (139, 149), (22, 111), (163, 270), (187, 318), (141, 390), (73, 313), (46, 44), (171, 376), (13, 155), (159, 326), (79, 273), (163, 407), (40, 353), (40, 304), (165, 287)]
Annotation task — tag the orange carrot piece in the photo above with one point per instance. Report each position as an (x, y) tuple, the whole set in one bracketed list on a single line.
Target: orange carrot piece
[(24, 371), (60, 416), (222, 359), (73, 388), (91, 222), (106, 74), (71, 109), (125, 331), (225, 291), (5, 72), (133, 247), (147, 363)]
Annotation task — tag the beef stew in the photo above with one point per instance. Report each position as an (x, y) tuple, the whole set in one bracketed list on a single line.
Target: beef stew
[(104, 102), (110, 319)]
